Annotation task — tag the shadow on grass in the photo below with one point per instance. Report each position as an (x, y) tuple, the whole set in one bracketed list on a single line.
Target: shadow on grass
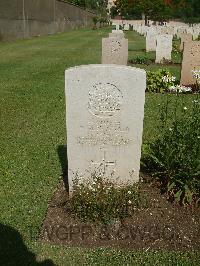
[(137, 50), (62, 154), (13, 250)]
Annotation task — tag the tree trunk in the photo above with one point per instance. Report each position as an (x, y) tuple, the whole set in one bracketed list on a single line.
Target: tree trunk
[(146, 20)]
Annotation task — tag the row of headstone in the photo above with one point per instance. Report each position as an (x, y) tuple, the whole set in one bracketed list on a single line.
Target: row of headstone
[(172, 28), (157, 41), (115, 49), (104, 134), (160, 42)]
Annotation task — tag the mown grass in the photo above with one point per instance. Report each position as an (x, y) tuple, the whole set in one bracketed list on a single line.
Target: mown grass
[(32, 121)]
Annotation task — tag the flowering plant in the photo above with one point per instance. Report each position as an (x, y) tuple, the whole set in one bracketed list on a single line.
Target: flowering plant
[(196, 75), (174, 154), (179, 89), (159, 81), (168, 79), (100, 200)]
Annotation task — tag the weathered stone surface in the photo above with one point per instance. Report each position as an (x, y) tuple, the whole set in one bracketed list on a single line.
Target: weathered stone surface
[(105, 110), (116, 34), (191, 61), (163, 47), (185, 37), (114, 51)]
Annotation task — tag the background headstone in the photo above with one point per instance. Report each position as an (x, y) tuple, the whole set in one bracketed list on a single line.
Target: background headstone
[(185, 37), (126, 27), (105, 110), (151, 41), (191, 61), (117, 27), (163, 47), (114, 51), (117, 34)]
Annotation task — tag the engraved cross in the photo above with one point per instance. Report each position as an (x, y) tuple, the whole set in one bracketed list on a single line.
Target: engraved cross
[(105, 164)]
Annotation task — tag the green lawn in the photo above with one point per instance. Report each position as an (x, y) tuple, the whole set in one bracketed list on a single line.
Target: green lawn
[(32, 127)]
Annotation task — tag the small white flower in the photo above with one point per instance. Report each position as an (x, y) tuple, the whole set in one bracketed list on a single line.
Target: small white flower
[(129, 192), (196, 74), (185, 108), (170, 129), (129, 202), (168, 79), (179, 88)]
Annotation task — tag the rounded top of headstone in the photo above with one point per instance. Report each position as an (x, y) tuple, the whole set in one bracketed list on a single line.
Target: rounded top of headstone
[(106, 66)]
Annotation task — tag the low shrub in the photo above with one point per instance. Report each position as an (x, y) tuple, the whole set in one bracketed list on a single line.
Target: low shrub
[(141, 60), (176, 48), (101, 201), (174, 157), (196, 75), (159, 81)]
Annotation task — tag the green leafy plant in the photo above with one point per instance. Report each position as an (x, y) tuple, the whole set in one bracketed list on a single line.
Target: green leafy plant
[(174, 156), (141, 60), (95, 21), (101, 20), (176, 47), (159, 81), (102, 201)]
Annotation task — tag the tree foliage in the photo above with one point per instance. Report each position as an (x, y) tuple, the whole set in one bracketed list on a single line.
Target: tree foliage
[(97, 5), (159, 9)]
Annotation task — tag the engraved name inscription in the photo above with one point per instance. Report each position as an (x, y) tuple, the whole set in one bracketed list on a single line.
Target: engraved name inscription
[(105, 132)]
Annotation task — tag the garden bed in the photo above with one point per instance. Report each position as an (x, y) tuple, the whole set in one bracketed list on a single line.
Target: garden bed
[(162, 225)]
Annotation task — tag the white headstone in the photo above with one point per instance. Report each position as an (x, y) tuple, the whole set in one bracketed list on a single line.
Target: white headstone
[(151, 40), (105, 110), (114, 51), (180, 31), (117, 26), (163, 47), (117, 34), (191, 61), (126, 27)]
